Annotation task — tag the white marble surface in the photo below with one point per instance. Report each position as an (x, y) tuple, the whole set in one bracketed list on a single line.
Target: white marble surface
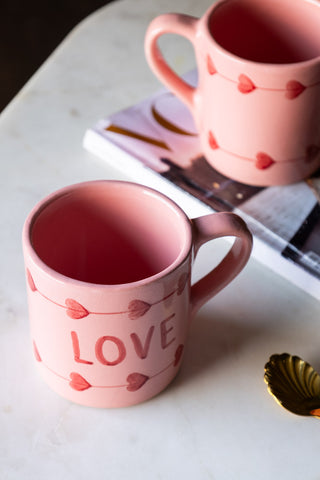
[(216, 421)]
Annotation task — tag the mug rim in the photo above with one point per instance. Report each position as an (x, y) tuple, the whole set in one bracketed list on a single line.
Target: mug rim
[(278, 66), (30, 251)]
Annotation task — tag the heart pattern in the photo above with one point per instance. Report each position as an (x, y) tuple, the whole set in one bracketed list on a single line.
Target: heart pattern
[(212, 141), (210, 66), (294, 89), (178, 355), (36, 352), (136, 381), (75, 310), (245, 84), (77, 382), (182, 283), (263, 161), (31, 281), (137, 308)]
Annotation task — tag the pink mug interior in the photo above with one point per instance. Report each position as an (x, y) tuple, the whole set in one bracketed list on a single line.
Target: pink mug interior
[(104, 233), (268, 31)]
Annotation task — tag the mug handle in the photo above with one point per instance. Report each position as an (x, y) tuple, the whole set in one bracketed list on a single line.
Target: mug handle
[(184, 25), (209, 227)]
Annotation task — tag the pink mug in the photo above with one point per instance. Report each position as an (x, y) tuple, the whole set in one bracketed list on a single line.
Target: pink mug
[(257, 103), (108, 267)]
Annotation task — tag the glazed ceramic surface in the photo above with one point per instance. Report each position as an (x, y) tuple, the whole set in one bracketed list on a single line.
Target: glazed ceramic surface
[(108, 267), (257, 103)]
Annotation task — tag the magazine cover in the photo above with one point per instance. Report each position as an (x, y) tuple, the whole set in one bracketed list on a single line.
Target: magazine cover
[(157, 139)]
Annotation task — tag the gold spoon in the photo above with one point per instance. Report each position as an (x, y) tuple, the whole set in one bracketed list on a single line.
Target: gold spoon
[(294, 384)]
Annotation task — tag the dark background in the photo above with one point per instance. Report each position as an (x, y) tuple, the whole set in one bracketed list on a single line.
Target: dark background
[(29, 31)]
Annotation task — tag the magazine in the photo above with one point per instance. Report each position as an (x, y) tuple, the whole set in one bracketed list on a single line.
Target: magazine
[(155, 142)]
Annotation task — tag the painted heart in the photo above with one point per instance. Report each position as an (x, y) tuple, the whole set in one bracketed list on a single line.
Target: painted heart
[(312, 153), (212, 141), (178, 355), (75, 310), (36, 352), (31, 282), (245, 84), (136, 381), (263, 161), (182, 283), (137, 308), (210, 66), (77, 382), (294, 89)]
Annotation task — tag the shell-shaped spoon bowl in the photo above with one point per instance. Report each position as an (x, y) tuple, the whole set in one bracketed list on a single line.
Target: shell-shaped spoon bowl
[(294, 384)]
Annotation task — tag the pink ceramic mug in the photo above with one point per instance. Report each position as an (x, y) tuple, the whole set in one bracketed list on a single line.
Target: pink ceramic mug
[(257, 103), (108, 268)]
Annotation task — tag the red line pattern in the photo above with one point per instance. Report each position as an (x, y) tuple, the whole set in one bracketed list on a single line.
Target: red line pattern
[(245, 85), (134, 381), (262, 160), (136, 308)]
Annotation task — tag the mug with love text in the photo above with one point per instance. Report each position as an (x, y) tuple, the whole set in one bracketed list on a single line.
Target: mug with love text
[(257, 103), (108, 268)]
